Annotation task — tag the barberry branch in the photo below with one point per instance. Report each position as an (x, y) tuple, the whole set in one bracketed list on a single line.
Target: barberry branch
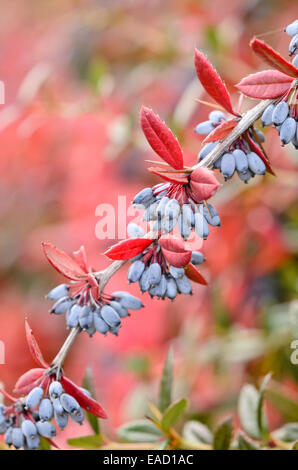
[(104, 276), (244, 123)]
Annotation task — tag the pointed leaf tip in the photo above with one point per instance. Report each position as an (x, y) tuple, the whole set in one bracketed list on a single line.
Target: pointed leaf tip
[(63, 263), (273, 58), (161, 138), (268, 84), (212, 82), (86, 402), (34, 348), (221, 131)]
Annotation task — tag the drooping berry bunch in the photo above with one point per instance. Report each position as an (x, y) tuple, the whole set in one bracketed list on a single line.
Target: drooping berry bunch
[(245, 155), (47, 394), (240, 156), (81, 300), (162, 263), (156, 275), (280, 84)]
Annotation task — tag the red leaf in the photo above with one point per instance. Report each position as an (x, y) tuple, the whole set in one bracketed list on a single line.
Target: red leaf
[(168, 176), (203, 184), (63, 263), (161, 138), (80, 257), (254, 147), (174, 251), (268, 84), (193, 274), (86, 402), (94, 286), (273, 58), (212, 82), (127, 249), (34, 348), (27, 381), (221, 131)]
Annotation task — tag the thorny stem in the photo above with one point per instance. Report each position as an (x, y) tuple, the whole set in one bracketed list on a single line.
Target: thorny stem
[(104, 276)]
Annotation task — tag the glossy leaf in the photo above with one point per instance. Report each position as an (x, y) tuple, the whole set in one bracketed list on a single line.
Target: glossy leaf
[(27, 381), (248, 410), (273, 58), (245, 444), (88, 403), (203, 184), (193, 274), (141, 430), (212, 82), (161, 138), (86, 442), (268, 84), (223, 435), (173, 413), (287, 407), (127, 249), (165, 392), (221, 131), (262, 421), (194, 431), (174, 251), (63, 263), (33, 347)]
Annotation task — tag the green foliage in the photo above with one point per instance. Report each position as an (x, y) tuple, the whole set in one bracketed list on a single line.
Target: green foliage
[(173, 413), (141, 430), (223, 435), (166, 383), (88, 384), (86, 442)]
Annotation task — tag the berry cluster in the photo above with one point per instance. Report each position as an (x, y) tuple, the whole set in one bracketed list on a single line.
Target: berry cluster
[(154, 273), (283, 114), (240, 157), (84, 305), (29, 419), (292, 31), (170, 204)]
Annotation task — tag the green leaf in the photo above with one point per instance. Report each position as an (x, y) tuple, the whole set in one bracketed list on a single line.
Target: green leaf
[(86, 442), (285, 405), (163, 445), (88, 384), (173, 413), (295, 446), (141, 430), (223, 435), (248, 410), (44, 444), (245, 444), (287, 433), (262, 421), (194, 431), (165, 393)]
